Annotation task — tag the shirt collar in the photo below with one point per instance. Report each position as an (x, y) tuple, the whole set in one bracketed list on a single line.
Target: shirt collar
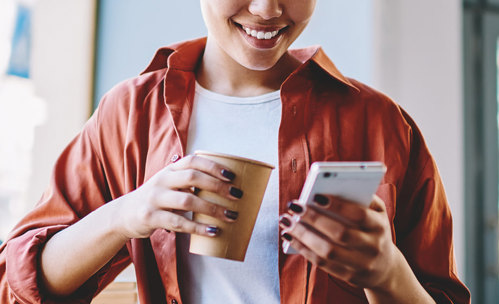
[(186, 55)]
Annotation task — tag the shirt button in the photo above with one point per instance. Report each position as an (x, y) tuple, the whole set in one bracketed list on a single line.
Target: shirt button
[(175, 158), (174, 301)]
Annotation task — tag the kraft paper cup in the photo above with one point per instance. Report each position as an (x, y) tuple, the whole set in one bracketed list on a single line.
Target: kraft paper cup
[(231, 243)]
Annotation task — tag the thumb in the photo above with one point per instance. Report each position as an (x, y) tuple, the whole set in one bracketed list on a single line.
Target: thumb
[(377, 204)]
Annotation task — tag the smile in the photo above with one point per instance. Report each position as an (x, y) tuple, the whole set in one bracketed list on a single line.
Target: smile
[(261, 35)]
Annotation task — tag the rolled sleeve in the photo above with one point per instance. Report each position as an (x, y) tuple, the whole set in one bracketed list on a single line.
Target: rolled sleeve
[(23, 273), (79, 185)]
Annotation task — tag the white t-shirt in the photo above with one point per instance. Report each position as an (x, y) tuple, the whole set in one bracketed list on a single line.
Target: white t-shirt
[(247, 127)]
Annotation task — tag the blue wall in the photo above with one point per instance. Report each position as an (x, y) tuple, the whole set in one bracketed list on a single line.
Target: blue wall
[(130, 31)]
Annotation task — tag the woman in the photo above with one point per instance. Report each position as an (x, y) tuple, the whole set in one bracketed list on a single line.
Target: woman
[(120, 190)]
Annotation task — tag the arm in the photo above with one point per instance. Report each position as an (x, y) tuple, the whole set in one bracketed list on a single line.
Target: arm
[(73, 255), (361, 253)]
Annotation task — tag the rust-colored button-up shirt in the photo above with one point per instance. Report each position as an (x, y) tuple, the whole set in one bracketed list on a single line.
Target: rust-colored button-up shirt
[(141, 126)]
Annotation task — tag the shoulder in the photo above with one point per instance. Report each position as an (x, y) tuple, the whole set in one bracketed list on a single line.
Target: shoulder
[(364, 105), (375, 101), (132, 92)]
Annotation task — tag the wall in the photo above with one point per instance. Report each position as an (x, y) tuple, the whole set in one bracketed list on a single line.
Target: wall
[(62, 68), (131, 31), (418, 62)]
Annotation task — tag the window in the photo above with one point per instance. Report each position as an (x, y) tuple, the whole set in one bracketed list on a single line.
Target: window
[(481, 57)]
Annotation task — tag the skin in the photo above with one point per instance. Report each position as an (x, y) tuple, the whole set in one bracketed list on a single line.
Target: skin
[(157, 204), (359, 251), (232, 64)]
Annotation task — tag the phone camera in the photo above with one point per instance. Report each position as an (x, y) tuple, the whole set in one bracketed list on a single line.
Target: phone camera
[(330, 174)]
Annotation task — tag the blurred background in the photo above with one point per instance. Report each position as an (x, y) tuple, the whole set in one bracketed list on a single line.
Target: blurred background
[(439, 59)]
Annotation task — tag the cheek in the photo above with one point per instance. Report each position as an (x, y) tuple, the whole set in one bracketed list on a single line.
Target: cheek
[(221, 9), (218, 13), (301, 11)]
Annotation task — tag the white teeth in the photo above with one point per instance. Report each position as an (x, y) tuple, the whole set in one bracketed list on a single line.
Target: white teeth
[(259, 34)]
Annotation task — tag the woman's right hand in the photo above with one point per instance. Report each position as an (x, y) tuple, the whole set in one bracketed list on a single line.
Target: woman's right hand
[(161, 202)]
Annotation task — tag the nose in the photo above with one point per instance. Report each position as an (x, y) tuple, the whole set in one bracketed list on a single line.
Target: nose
[(266, 9)]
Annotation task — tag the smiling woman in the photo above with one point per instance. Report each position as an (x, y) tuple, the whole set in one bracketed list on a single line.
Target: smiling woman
[(125, 187)]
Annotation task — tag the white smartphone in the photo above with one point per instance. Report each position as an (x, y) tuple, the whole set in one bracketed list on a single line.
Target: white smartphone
[(353, 181)]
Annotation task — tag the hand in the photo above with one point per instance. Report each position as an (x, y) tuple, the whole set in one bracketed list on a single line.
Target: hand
[(358, 250), (161, 202)]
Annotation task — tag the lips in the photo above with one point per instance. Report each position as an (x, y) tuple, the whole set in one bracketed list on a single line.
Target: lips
[(263, 37)]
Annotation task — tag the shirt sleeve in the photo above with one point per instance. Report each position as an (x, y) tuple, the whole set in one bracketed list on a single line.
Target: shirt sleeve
[(424, 226), (77, 187)]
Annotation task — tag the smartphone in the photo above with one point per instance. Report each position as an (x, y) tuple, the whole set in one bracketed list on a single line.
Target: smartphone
[(353, 181)]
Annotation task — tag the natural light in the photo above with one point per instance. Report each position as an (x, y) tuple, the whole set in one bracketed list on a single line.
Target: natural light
[(20, 112)]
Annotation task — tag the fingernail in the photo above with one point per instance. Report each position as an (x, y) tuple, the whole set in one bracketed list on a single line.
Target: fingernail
[(231, 214), (295, 208), (235, 192), (285, 221), (287, 237), (321, 200), (228, 174), (212, 230)]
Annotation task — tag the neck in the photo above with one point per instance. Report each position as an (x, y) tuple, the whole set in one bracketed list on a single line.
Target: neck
[(226, 76)]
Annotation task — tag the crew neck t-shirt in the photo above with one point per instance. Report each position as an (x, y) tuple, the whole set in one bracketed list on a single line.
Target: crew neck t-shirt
[(247, 127)]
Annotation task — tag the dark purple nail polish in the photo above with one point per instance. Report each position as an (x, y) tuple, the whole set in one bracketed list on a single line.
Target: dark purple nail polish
[(231, 214), (212, 230), (235, 192), (295, 208), (321, 200), (228, 174), (287, 237), (285, 221)]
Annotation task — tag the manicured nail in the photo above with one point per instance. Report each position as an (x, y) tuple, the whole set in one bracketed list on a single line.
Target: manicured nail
[(235, 192), (287, 237), (212, 230), (321, 200), (295, 208), (228, 174), (232, 215), (285, 221)]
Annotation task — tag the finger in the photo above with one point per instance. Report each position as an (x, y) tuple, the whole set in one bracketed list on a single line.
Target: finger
[(377, 204), (184, 201), (336, 269), (350, 212), (174, 222), (186, 179), (327, 250), (334, 230), (205, 165)]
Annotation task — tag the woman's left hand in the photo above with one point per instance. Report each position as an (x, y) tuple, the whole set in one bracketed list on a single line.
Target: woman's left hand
[(358, 250)]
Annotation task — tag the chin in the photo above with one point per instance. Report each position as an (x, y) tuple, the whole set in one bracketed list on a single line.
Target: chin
[(258, 65)]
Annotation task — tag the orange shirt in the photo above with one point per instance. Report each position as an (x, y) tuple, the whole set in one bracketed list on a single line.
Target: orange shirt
[(141, 126)]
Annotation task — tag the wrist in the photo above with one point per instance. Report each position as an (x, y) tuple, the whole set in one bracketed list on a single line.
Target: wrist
[(116, 223), (394, 276), (399, 286)]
